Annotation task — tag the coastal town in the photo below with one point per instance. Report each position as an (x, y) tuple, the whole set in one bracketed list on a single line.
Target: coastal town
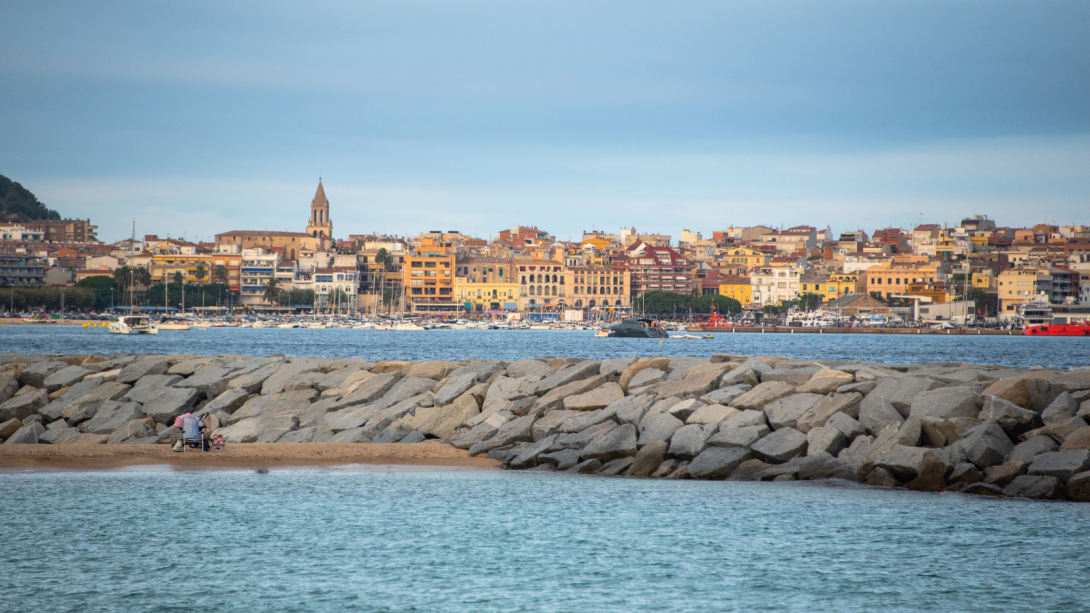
[(974, 271)]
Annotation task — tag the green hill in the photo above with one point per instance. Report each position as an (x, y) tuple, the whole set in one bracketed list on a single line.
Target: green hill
[(18, 204)]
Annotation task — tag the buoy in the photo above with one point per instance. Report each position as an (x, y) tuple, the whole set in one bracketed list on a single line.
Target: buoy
[(660, 341)]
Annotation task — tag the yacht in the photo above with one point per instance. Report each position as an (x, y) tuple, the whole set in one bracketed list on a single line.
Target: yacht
[(170, 323), (134, 324), (637, 328)]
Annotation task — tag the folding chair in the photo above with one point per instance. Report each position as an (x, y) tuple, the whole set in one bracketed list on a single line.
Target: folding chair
[(191, 433)]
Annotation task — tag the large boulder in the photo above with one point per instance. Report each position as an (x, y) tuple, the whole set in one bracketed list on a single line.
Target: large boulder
[(9, 385), (69, 376), (1027, 451), (717, 462), (1060, 464), (135, 429), (529, 457), (210, 381), (1001, 475), (111, 415), (1012, 418), (658, 427), (825, 439), (1079, 439), (10, 427), (985, 445), (688, 441), (529, 368), (780, 446), (640, 365), (244, 431), (1025, 391), (762, 395), (554, 398), (456, 386), (27, 434), (794, 376), (295, 402), (746, 418), (743, 436), (1078, 487), (55, 409), (152, 365), (1038, 487), (595, 399), (275, 383), (227, 402), (1062, 408), (711, 414), (726, 395), (448, 419), (827, 406), (147, 387), (434, 370), (369, 390), (253, 381), (619, 442), (562, 459), (695, 381), (648, 459), (847, 426), (684, 409), (516, 430), (616, 366), (945, 402), (785, 412), (566, 375), (170, 402), (22, 406), (876, 413), (901, 391), (646, 377), (36, 374), (824, 466), (902, 461)]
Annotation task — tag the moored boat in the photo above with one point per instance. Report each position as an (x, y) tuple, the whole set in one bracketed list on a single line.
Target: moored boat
[(134, 324), (637, 328), (1082, 329)]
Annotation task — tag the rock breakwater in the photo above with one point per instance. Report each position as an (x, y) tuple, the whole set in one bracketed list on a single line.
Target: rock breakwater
[(934, 427)]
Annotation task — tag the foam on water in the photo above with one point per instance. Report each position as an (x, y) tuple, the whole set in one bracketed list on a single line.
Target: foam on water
[(392, 540)]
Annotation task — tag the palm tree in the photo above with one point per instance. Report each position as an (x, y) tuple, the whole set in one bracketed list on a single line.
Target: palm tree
[(272, 290), (201, 272), (142, 276), (122, 276), (219, 274)]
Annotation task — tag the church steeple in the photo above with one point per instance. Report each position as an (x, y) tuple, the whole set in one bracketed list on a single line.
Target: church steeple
[(319, 223)]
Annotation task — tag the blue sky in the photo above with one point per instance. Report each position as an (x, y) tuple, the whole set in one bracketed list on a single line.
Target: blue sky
[(202, 117)]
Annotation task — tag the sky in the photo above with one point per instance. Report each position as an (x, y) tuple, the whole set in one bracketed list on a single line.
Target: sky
[(202, 117)]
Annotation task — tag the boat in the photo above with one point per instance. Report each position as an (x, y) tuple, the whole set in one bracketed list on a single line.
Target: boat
[(134, 324), (603, 333), (1082, 329), (637, 328), (173, 324)]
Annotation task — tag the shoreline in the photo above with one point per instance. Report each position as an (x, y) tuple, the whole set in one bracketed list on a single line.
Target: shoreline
[(87, 457)]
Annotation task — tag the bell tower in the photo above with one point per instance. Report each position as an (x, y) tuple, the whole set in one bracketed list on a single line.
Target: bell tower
[(319, 224)]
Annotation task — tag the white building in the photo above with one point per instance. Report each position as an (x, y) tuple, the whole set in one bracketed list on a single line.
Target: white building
[(17, 233), (328, 281), (258, 266), (771, 286)]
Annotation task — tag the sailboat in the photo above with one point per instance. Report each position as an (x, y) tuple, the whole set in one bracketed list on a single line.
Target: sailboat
[(133, 324)]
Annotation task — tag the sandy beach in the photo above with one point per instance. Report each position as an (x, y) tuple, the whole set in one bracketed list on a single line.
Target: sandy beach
[(237, 455)]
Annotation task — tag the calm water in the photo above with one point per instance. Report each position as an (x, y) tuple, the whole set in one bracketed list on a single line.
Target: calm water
[(384, 540), (511, 345)]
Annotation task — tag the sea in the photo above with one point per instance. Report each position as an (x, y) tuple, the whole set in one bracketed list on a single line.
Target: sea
[(1014, 351), (388, 539)]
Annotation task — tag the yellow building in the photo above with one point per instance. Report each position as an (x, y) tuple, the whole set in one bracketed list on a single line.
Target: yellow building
[(485, 296), (1017, 285), (746, 257), (841, 284), (985, 280), (737, 287)]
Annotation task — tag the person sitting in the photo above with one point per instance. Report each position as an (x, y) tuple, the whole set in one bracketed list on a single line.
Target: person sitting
[(209, 424)]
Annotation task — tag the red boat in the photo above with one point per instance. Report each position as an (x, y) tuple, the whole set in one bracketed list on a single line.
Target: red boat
[(1082, 329)]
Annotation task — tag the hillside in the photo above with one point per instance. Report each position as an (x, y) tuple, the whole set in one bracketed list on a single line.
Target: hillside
[(18, 204)]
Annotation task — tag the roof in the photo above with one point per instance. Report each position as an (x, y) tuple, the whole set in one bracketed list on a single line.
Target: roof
[(269, 233), (847, 299), (319, 197)]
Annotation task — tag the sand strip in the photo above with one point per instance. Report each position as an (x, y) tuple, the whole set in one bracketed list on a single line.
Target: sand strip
[(239, 455)]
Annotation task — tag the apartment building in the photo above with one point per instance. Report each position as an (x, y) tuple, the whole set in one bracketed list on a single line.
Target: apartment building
[(737, 287), (655, 269), (594, 286), (64, 230), (336, 286), (429, 277), (541, 283), (773, 286), (22, 269), (484, 283), (1018, 285), (889, 278), (257, 267)]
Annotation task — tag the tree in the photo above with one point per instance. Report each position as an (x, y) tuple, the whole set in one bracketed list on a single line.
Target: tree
[(981, 298), (810, 301), (382, 258), (123, 277), (219, 274), (179, 278), (723, 304), (142, 276), (201, 272), (103, 287), (272, 290)]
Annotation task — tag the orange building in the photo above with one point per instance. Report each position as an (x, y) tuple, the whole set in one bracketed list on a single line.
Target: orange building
[(429, 277)]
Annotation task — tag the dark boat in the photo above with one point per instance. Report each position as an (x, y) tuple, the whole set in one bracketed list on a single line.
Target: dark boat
[(637, 328)]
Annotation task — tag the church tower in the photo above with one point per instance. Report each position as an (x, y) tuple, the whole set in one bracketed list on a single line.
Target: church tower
[(320, 225)]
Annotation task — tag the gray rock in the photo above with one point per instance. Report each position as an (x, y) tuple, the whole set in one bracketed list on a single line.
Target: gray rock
[(631, 409), (762, 395), (695, 381), (615, 467), (529, 367), (825, 439), (455, 387), (1060, 464), (170, 402), (10, 427), (132, 430), (210, 381), (111, 415), (36, 374), (355, 435), (302, 435), (666, 468), (169, 436), (566, 375), (562, 459), (1078, 487), (579, 440), (902, 461), (785, 412), (617, 443), (717, 462), (794, 376), (647, 459), (711, 414), (1062, 408), (1027, 451), (648, 376), (746, 418), (528, 458), (863, 387), (484, 369), (275, 382), (595, 399), (586, 467), (616, 366), (945, 403), (658, 427), (295, 403), (153, 365), (9, 385), (1001, 475), (685, 408), (147, 387), (244, 431), (847, 426), (986, 445), (228, 402), (882, 478), (409, 387), (780, 446), (876, 413), (514, 431), (370, 390), (1038, 487), (22, 406), (391, 434), (65, 377), (966, 473), (900, 391), (435, 370), (554, 398), (55, 409), (448, 419), (726, 395), (27, 434), (940, 432), (824, 466), (743, 436), (1012, 418), (827, 406), (688, 441), (253, 381)]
